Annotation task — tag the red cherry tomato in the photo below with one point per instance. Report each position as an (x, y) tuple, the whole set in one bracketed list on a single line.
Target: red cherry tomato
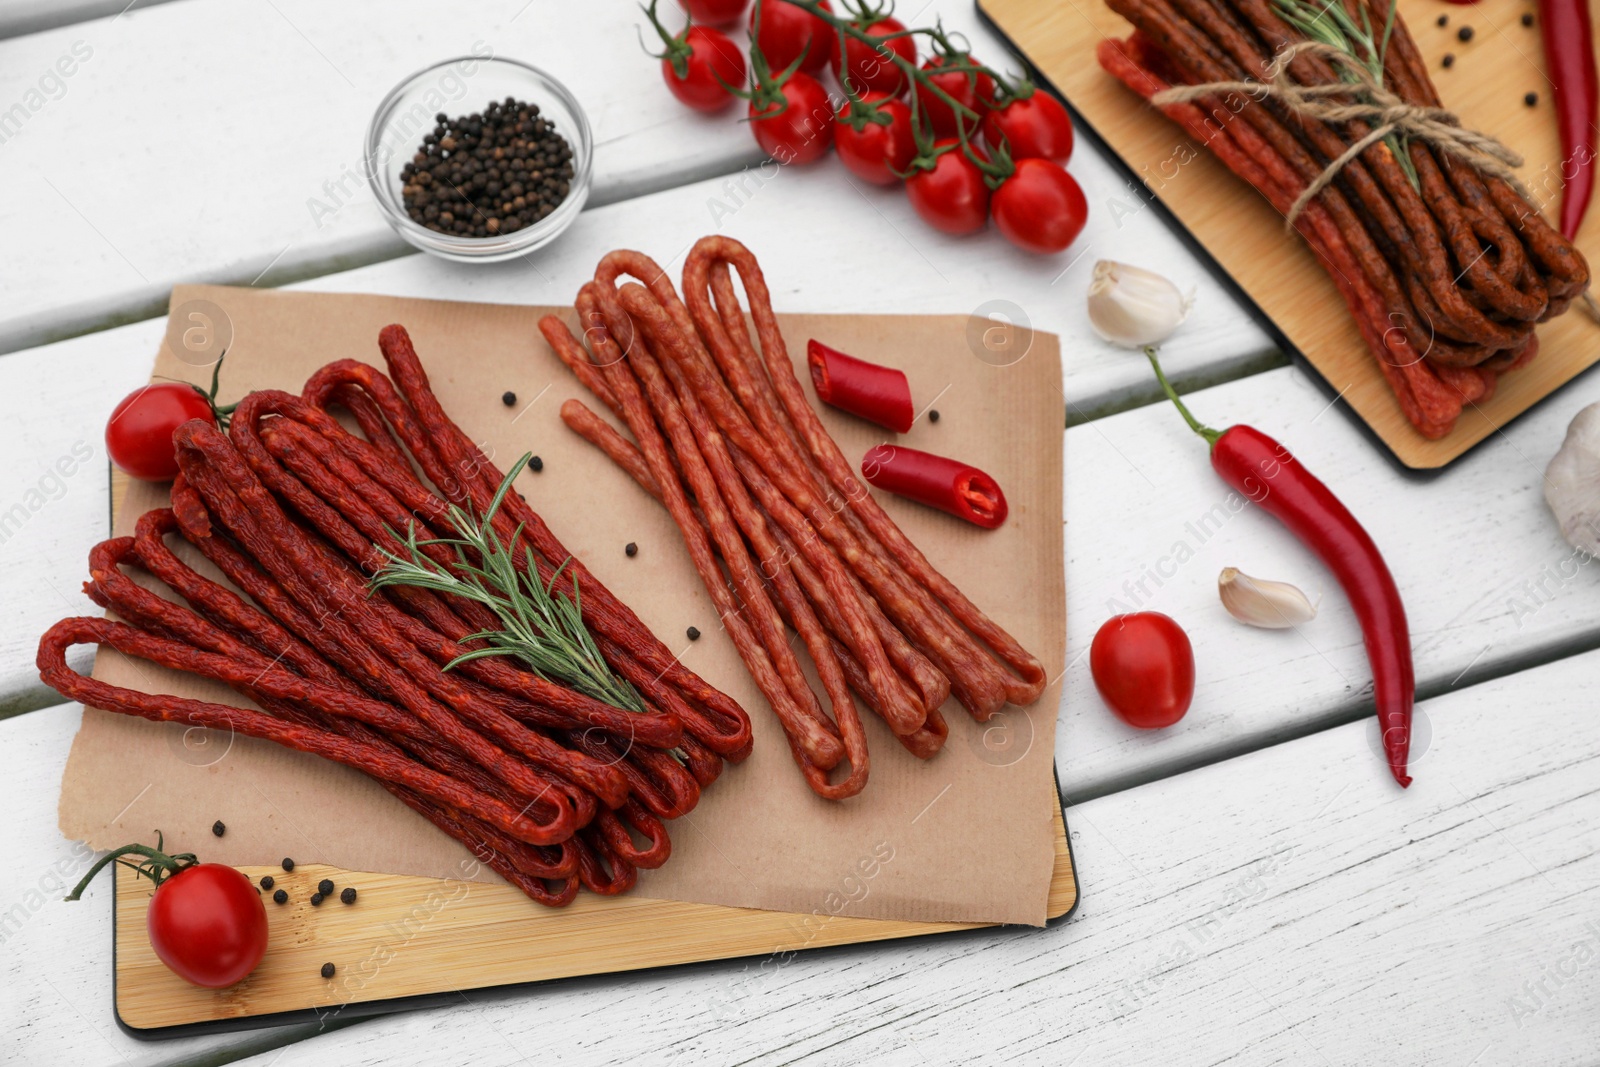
[(787, 32), (877, 152), (714, 12), (1033, 127), (712, 56), (139, 433), (869, 67), (803, 129), (207, 923), (1143, 666), (1040, 207), (951, 197), (969, 89)]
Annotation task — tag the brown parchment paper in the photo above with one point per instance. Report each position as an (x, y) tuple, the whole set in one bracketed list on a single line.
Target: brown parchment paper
[(968, 833)]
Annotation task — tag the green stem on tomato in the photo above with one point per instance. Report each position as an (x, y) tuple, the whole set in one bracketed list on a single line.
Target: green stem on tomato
[(677, 48), (1172, 394), (994, 171), (158, 866)]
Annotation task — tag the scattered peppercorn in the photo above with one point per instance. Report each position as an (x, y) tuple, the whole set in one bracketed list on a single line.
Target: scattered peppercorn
[(1448, 61), (631, 549), (327, 970), (536, 464), (694, 633), (267, 881), (1444, 20), (492, 172), (316, 900), (1531, 99), (280, 897), (1464, 34), (1527, 19), (349, 895), (933, 416), (508, 398), (325, 887), (288, 864), (218, 829)]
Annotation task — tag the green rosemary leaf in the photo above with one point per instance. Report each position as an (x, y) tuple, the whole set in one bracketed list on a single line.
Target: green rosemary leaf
[(542, 628)]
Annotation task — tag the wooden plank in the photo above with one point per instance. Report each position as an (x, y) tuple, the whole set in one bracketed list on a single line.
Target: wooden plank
[(18, 17), (218, 142), (416, 936), (55, 396), (1280, 273), (1488, 583), (55, 957), (1288, 907)]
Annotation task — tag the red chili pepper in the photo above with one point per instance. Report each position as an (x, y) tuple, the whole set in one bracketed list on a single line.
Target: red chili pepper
[(869, 391), (1269, 475), (1569, 53), (947, 484)]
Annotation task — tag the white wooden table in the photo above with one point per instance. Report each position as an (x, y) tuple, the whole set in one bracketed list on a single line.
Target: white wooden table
[(1255, 889)]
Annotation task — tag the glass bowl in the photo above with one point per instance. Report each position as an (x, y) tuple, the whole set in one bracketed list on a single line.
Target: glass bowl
[(462, 86)]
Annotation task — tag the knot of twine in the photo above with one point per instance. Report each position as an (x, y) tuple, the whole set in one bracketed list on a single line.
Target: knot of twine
[(1362, 99)]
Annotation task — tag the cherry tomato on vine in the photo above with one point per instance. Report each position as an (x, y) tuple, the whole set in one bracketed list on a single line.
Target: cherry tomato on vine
[(951, 196), (206, 921), (701, 77), (972, 90), (1031, 127), (869, 67), (801, 129), (1040, 208), (787, 32), (139, 432), (714, 12), (1143, 666), (878, 152)]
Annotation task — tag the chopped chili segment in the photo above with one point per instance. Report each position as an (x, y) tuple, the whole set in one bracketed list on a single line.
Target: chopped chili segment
[(870, 391), (939, 482)]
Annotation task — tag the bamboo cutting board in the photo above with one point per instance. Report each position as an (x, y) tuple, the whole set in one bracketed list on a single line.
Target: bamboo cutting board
[(408, 939), (1246, 236)]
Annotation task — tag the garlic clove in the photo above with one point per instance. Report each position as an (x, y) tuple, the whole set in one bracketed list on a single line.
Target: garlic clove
[(1134, 307), (1572, 482), (1257, 602)]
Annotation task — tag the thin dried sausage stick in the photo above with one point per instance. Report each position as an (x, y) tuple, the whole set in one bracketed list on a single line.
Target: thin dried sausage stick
[(678, 409), (55, 672), (234, 495), (601, 608), (1029, 675), (637, 411)]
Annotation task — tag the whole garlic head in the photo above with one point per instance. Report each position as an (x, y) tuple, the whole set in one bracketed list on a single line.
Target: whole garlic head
[(1572, 482), (1134, 307)]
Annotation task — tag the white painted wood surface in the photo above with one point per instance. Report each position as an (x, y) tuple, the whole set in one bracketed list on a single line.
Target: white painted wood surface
[(1287, 906)]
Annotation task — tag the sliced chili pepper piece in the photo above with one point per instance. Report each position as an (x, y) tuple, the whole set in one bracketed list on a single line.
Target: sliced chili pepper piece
[(951, 486), (868, 391)]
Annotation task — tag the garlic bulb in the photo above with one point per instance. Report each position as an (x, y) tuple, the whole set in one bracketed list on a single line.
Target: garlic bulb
[(1270, 605), (1134, 307), (1572, 482)]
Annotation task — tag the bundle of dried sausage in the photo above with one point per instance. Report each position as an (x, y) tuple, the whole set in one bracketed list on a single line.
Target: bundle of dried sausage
[(779, 529), (550, 785), (1445, 266)]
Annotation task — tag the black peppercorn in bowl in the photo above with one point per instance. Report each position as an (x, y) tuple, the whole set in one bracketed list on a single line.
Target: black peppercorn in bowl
[(479, 159)]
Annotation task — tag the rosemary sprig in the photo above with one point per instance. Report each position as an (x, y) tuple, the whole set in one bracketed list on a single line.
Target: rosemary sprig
[(542, 628), (1327, 22)]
